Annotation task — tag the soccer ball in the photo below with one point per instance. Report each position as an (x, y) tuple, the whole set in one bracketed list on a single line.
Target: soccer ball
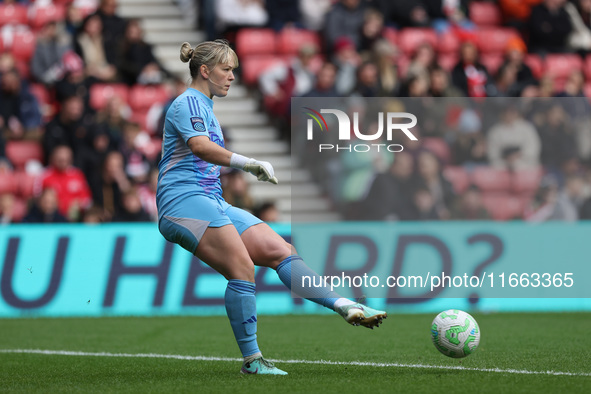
[(455, 333)]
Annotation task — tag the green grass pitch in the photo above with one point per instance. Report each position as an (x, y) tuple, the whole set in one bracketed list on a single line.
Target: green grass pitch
[(528, 342)]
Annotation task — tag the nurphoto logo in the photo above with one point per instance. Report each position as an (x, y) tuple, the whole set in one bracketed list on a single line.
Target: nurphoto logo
[(393, 124)]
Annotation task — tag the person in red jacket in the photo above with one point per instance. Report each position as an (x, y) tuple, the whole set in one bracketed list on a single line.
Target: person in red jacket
[(68, 181)]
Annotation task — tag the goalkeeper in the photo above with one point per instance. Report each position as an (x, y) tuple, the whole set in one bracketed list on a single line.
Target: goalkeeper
[(193, 214)]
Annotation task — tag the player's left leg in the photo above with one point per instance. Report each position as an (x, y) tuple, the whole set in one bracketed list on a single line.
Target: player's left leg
[(266, 248)]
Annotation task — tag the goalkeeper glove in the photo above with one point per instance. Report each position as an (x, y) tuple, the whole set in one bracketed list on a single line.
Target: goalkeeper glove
[(263, 170)]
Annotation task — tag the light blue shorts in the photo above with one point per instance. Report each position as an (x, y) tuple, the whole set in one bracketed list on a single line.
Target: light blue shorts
[(185, 221)]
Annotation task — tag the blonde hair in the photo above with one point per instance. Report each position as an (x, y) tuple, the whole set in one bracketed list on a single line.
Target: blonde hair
[(209, 53)]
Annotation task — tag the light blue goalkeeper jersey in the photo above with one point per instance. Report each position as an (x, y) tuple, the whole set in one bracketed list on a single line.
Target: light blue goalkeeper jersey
[(180, 172)]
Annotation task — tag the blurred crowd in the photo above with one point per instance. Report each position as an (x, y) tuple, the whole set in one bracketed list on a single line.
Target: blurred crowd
[(434, 51), (82, 94)]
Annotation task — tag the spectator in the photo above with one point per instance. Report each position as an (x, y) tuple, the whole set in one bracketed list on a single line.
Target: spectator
[(516, 12), (345, 19), (574, 101), (112, 119), (549, 27), (557, 138), (347, 59), (440, 189), (385, 56), (114, 183), (404, 13), (137, 165), (367, 80), (132, 210), (522, 74), (549, 204), (445, 14), (93, 154), (325, 82), (8, 209), (505, 82), (267, 212), (424, 205), (469, 147), (66, 128), (390, 195), (137, 63), (112, 28), (283, 13), (147, 194), (19, 109), (52, 45), (236, 191), (90, 45), (74, 19), (92, 215), (469, 75), (470, 206), (517, 138), (579, 12), (235, 14), (69, 183), (74, 81), (282, 82), (372, 29), (440, 86), (424, 59), (314, 13), (45, 209)]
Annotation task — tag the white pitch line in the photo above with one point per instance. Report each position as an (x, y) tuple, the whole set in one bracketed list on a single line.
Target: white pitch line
[(319, 362)]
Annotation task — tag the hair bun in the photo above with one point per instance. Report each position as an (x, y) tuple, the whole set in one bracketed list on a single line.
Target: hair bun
[(186, 52)]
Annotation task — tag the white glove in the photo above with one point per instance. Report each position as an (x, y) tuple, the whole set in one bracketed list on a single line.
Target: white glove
[(263, 170)]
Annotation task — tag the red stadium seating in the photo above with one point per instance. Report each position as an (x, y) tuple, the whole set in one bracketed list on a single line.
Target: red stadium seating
[(448, 61), (13, 14), (100, 94), (289, 41), (448, 43), (438, 147), (25, 184), (490, 179), (7, 182), (494, 40), (142, 97), (410, 38), (485, 13), (39, 16), (503, 206), (458, 176), (255, 42), (492, 62), (23, 45), (20, 152), (561, 66), (535, 63), (526, 182), (253, 66)]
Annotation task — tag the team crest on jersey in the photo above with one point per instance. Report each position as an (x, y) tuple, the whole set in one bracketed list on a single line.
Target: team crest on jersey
[(198, 124)]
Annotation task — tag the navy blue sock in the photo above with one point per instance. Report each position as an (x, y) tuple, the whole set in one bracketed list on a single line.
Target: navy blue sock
[(293, 269), (242, 311)]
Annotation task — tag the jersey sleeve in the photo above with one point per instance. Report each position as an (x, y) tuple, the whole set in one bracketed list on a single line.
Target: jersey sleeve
[(190, 118)]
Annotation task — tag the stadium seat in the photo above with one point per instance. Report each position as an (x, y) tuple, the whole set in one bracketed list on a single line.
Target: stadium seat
[(485, 13), (23, 45), (39, 16), (25, 184), (503, 206), (391, 34), (458, 176), (490, 179), (46, 103), (7, 182), (535, 63), (438, 147), (448, 43), (448, 61), (255, 42), (526, 182), (492, 62), (289, 41), (100, 94), (411, 37), (494, 40), (561, 66), (20, 152), (13, 14), (142, 97), (253, 66)]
